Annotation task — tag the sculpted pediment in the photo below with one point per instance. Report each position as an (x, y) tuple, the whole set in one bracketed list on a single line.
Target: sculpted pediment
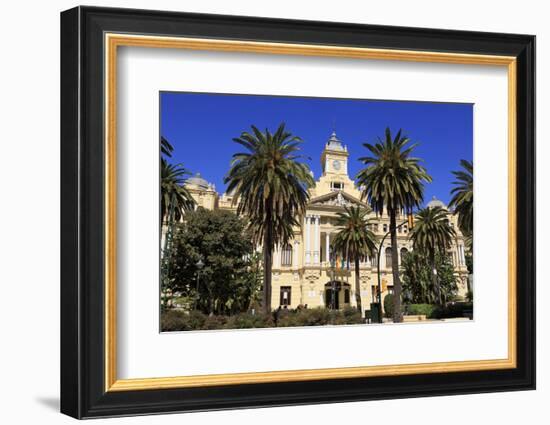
[(336, 199)]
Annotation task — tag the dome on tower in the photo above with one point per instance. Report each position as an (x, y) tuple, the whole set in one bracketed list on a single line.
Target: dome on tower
[(197, 181), (334, 143), (436, 203)]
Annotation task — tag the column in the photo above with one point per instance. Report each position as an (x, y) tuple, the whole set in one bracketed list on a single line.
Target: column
[(295, 255), (278, 257), (316, 239), (327, 247), (307, 242)]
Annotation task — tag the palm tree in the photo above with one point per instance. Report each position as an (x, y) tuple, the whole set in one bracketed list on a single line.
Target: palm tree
[(166, 147), (393, 180), (175, 198), (463, 197), (354, 241), (270, 187), (432, 234)]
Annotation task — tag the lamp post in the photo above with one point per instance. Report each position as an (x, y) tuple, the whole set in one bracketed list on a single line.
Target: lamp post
[(199, 266), (410, 222)]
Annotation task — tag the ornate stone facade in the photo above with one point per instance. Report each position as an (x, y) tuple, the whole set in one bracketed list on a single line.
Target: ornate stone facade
[(302, 272)]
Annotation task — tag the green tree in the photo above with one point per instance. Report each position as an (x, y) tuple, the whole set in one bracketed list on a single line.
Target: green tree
[(270, 188), (418, 284), (393, 180), (463, 197), (433, 234), (354, 241), (228, 281)]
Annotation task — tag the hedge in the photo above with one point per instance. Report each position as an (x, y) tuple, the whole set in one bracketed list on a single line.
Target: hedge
[(420, 309), (449, 311), (178, 320)]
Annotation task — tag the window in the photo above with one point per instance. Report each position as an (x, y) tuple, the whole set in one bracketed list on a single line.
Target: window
[(286, 255), (285, 295), (388, 257), (346, 296), (374, 258), (336, 186), (385, 228)]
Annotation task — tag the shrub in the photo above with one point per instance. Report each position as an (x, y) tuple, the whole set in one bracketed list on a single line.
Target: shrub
[(388, 305), (352, 316), (319, 317), (449, 311), (420, 309), (178, 320), (247, 320), (306, 317), (214, 322)]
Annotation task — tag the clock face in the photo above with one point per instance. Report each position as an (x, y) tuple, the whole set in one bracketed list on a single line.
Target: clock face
[(336, 164)]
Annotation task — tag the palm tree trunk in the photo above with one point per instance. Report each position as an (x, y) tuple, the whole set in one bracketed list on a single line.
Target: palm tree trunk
[(397, 314), (268, 256), (358, 286)]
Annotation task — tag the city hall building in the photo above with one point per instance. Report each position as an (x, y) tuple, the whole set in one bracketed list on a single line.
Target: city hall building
[(302, 270)]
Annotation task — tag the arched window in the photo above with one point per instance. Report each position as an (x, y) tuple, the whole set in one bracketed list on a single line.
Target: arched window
[(388, 257), (374, 258), (286, 255)]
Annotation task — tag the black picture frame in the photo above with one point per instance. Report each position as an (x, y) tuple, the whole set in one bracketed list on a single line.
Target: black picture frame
[(83, 392)]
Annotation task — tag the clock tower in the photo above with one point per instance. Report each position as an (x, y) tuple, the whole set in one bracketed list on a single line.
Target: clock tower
[(334, 159)]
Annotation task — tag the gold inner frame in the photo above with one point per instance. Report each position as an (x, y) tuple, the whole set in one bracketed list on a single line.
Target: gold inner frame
[(113, 41)]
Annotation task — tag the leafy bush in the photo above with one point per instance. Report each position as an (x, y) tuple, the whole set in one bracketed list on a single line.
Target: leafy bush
[(247, 320), (318, 317), (352, 316), (388, 305), (449, 311), (214, 322), (420, 309), (178, 320), (306, 317)]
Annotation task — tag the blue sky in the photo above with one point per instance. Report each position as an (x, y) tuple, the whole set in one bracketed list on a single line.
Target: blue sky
[(201, 128)]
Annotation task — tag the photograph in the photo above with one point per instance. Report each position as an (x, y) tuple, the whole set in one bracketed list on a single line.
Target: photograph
[(287, 211)]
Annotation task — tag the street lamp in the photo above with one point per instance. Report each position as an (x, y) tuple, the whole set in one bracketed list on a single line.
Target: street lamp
[(199, 266)]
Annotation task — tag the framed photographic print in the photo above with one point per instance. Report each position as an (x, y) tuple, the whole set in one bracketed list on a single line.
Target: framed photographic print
[(261, 212)]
